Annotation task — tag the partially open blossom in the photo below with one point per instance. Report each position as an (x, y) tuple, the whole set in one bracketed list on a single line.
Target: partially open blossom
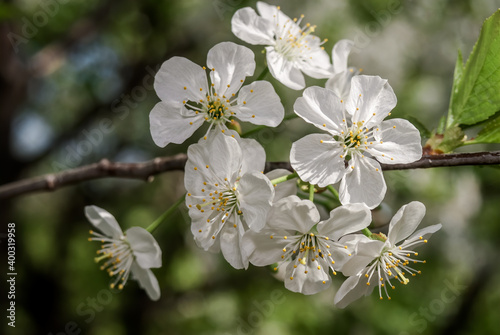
[(340, 81), (291, 47), (295, 238), (357, 139), (227, 193), (132, 253), (378, 261), (189, 99)]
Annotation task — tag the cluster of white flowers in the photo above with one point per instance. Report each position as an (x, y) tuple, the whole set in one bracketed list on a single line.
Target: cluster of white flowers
[(256, 218)]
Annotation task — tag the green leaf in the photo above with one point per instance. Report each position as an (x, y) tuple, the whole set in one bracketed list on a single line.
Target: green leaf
[(457, 78), (475, 95), (490, 133)]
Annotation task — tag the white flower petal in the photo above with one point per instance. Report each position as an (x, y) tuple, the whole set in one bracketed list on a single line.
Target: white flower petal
[(284, 71), (293, 213), (397, 142), (340, 83), (370, 100), (405, 221), (104, 221), (352, 289), (230, 245), (316, 162), (232, 64), (366, 251), (255, 196), (364, 184), (284, 189), (316, 64), (219, 156), (425, 233), (340, 54), (345, 220), (269, 12), (168, 125), (307, 283), (259, 104), (253, 155), (146, 250), (177, 73), (205, 227), (322, 108), (147, 281), (261, 249), (251, 28), (342, 255)]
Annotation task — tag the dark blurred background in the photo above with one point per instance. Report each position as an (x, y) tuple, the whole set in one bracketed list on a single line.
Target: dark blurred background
[(75, 87)]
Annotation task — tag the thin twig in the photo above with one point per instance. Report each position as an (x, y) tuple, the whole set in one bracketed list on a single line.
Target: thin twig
[(146, 170)]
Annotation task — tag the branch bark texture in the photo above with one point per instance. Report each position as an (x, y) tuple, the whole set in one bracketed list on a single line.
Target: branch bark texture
[(146, 170)]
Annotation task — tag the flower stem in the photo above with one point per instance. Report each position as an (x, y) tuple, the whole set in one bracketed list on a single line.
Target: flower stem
[(152, 227), (366, 232), (259, 128), (334, 192), (263, 73), (284, 178), (311, 192)]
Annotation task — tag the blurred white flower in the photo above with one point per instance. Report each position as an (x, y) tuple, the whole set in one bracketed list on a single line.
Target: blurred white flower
[(295, 238), (375, 262), (189, 100), (227, 193), (358, 139), (340, 82), (131, 253), (291, 48)]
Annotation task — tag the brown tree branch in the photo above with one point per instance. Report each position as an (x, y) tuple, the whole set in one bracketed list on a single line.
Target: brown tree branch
[(146, 170)]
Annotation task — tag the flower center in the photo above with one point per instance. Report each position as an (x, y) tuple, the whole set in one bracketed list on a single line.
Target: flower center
[(117, 256), (291, 38), (357, 138), (394, 263), (225, 199), (308, 250), (216, 110)]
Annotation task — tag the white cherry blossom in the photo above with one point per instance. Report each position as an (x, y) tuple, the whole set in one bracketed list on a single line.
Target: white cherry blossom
[(357, 140), (340, 81), (377, 261), (189, 99), (227, 193), (295, 238), (291, 49), (131, 253)]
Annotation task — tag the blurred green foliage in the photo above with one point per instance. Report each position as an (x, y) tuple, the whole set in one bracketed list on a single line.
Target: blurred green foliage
[(88, 75)]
